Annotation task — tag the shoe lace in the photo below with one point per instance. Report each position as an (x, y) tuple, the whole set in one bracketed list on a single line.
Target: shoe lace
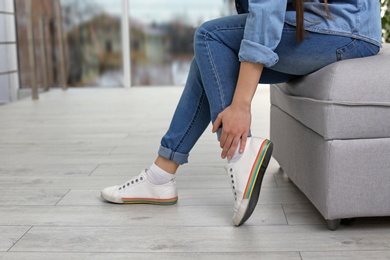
[(131, 182)]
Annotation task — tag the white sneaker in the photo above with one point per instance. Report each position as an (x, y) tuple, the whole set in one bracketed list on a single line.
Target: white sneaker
[(246, 176), (140, 191)]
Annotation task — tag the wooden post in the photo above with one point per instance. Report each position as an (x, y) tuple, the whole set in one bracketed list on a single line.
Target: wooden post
[(125, 26), (61, 52), (43, 54), (31, 49)]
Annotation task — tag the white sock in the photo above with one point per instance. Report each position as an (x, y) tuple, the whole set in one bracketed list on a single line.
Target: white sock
[(237, 155), (158, 176)]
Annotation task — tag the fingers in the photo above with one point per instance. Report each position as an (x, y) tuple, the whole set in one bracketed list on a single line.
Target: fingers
[(217, 124), (230, 143), (234, 132), (233, 147), (225, 144), (243, 143)]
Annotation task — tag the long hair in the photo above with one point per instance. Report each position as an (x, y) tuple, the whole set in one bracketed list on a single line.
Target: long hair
[(299, 7)]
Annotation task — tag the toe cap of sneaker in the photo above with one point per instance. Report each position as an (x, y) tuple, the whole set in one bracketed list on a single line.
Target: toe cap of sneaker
[(110, 194)]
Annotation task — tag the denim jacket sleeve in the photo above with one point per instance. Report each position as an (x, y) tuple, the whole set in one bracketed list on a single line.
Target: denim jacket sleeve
[(359, 19), (263, 30)]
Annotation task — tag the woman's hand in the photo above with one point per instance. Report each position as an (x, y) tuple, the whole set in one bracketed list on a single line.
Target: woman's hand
[(235, 121)]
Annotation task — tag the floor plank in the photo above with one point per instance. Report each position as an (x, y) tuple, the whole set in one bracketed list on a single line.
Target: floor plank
[(346, 255), (31, 197), (201, 239), (10, 235), (56, 154), (153, 255), (136, 215)]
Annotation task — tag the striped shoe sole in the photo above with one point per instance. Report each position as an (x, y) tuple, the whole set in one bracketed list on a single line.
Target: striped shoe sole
[(166, 202), (253, 187)]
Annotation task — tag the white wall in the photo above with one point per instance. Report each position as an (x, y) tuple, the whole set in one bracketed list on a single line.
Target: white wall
[(9, 80)]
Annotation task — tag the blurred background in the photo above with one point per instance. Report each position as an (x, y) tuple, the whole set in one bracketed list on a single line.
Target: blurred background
[(160, 40), (103, 43)]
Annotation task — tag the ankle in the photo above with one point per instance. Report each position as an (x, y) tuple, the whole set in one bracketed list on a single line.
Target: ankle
[(158, 176), (166, 165)]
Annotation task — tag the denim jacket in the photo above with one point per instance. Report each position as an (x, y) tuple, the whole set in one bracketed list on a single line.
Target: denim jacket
[(358, 19)]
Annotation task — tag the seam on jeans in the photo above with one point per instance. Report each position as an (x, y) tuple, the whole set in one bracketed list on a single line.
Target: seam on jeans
[(207, 35), (209, 57), (171, 156), (195, 117), (343, 50)]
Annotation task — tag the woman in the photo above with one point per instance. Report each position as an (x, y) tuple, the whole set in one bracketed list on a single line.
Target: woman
[(268, 42)]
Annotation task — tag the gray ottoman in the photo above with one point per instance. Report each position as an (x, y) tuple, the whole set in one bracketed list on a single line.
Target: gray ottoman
[(331, 135)]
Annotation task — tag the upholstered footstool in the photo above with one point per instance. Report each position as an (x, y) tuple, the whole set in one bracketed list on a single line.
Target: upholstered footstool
[(331, 135)]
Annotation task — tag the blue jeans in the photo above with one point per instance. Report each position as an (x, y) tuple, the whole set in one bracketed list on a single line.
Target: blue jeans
[(214, 71)]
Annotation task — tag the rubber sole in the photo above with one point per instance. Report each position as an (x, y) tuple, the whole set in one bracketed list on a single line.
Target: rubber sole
[(170, 201), (166, 202), (253, 198)]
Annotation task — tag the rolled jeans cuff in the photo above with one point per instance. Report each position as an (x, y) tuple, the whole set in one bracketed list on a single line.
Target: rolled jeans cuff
[(177, 157)]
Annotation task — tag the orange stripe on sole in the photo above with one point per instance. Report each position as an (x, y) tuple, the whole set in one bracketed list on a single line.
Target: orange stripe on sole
[(150, 201), (255, 168)]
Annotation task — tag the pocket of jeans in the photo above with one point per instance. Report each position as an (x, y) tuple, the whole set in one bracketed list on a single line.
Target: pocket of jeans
[(356, 49)]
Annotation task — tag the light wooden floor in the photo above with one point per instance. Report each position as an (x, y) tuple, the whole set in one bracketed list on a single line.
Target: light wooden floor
[(57, 153)]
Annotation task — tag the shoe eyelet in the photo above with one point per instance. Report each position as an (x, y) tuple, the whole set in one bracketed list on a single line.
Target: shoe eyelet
[(132, 182), (231, 176), (141, 178), (128, 184), (232, 181), (120, 188), (234, 187), (136, 180), (231, 170), (124, 186)]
